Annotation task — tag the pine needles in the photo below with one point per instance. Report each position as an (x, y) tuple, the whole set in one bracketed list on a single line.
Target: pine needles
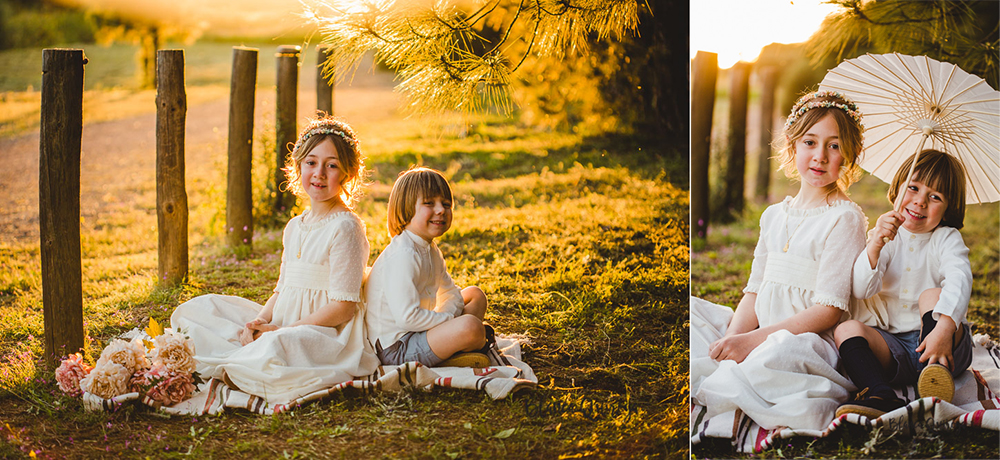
[(462, 55)]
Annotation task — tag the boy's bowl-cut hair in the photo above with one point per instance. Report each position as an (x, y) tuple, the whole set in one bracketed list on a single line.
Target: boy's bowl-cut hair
[(411, 185), (941, 172)]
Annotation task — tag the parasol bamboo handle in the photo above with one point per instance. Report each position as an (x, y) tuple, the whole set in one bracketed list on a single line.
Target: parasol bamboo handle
[(902, 187)]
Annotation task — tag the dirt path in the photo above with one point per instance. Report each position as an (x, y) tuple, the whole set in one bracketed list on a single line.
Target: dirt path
[(118, 162)]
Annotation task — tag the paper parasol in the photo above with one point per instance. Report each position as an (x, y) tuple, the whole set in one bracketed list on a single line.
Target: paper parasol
[(913, 103)]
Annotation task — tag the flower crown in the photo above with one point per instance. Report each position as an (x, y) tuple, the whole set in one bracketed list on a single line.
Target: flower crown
[(327, 126), (804, 105)]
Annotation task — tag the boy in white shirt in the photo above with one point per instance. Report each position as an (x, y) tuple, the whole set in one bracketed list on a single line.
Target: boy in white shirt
[(916, 280), (415, 312)]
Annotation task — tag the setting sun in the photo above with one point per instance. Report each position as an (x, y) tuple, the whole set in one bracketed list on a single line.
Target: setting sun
[(746, 27)]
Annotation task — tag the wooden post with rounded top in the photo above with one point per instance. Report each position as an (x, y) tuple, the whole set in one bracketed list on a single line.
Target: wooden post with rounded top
[(171, 195), (704, 71), (739, 77), (769, 78), (59, 150), (324, 81), (239, 194), (286, 129)]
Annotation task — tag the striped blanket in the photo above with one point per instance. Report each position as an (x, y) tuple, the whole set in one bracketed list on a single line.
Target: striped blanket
[(506, 374), (976, 403)]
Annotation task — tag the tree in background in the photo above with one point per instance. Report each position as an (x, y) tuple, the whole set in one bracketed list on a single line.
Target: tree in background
[(570, 62), (964, 33), (144, 33), (33, 24)]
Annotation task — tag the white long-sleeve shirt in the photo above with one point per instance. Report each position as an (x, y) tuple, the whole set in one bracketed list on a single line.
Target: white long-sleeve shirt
[(409, 289), (907, 266)]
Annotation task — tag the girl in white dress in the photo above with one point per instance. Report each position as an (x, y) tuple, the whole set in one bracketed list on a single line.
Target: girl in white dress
[(310, 333), (774, 359)]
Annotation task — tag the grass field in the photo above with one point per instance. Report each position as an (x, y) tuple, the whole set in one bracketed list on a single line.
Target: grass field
[(579, 240), (720, 266)]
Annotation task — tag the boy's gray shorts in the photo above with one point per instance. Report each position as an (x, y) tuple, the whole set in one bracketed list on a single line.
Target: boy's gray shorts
[(903, 347), (412, 346)]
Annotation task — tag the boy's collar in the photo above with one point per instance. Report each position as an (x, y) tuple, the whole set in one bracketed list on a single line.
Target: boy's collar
[(417, 239)]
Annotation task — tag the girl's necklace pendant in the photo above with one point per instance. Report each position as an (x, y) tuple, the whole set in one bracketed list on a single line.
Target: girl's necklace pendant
[(786, 247)]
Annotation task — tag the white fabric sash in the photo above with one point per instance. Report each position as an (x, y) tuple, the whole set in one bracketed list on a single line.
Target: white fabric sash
[(790, 270), (308, 276)]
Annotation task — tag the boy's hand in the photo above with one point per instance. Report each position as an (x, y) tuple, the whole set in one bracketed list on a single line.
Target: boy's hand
[(936, 347), (885, 229), (735, 347)]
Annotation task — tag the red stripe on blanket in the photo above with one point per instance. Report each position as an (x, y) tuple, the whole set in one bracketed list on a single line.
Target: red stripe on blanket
[(761, 437), (977, 418), (446, 382), (982, 388)]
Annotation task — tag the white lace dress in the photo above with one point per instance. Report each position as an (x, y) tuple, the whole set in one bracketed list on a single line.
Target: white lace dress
[(789, 380), (321, 262)]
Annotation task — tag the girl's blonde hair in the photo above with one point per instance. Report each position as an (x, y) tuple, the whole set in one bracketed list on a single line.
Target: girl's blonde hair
[(410, 186), (941, 172), (809, 110), (349, 157)]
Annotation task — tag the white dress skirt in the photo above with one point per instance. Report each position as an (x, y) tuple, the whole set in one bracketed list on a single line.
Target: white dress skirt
[(290, 362), (788, 380)]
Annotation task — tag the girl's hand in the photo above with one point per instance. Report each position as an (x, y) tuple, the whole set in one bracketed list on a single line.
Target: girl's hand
[(256, 322), (248, 335), (885, 229), (936, 347), (735, 347), (261, 327)]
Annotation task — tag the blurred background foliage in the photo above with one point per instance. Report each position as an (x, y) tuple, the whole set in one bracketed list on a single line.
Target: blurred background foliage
[(964, 33), (635, 82), (39, 24)]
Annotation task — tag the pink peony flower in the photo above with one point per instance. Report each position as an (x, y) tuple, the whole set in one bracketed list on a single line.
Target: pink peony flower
[(70, 372), (176, 388), (145, 379), (163, 385), (175, 351)]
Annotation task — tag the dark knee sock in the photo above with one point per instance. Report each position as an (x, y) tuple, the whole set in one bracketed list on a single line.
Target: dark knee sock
[(927, 324), (863, 368)]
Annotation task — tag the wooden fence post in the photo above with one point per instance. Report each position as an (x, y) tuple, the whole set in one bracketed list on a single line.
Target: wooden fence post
[(59, 200), (324, 85), (769, 78), (239, 193), (732, 200), (171, 196), (286, 128), (704, 71)]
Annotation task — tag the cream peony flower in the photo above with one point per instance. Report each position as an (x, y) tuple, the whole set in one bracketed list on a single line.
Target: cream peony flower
[(131, 355), (175, 351), (107, 380)]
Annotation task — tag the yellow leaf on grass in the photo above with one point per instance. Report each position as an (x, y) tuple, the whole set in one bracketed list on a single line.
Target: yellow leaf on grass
[(154, 329)]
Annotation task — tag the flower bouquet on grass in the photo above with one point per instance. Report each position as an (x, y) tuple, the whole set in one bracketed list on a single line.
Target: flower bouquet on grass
[(159, 372)]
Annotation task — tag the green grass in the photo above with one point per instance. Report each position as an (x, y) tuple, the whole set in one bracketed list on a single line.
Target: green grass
[(720, 266), (580, 242)]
